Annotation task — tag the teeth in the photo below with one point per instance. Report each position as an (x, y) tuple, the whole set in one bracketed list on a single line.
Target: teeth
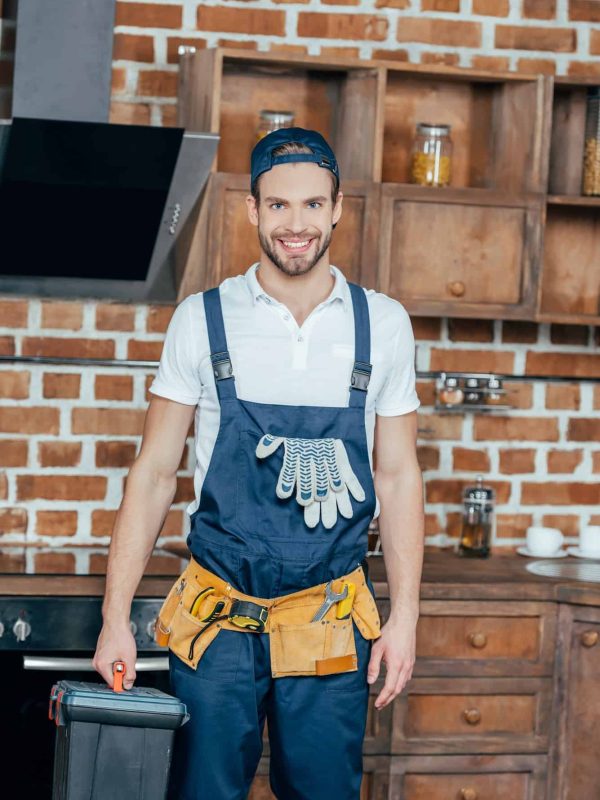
[(295, 244)]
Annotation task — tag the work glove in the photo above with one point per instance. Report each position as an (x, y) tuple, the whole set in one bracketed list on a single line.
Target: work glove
[(320, 471)]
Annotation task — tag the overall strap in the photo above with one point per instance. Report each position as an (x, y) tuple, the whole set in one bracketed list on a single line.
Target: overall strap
[(361, 372), (219, 355)]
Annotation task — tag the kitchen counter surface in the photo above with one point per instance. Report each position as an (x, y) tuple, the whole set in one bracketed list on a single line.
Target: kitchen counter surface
[(445, 576)]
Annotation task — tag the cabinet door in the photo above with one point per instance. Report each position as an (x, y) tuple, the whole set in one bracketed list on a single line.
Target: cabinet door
[(577, 762), (460, 252)]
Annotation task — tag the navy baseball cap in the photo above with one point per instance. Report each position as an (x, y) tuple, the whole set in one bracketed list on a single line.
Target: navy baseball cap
[(262, 159)]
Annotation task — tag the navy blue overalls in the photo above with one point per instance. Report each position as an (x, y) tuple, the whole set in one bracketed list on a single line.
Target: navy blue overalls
[(260, 543)]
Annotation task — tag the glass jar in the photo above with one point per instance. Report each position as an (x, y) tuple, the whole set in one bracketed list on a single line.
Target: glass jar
[(272, 121), (431, 155), (473, 393), (451, 394), (591, 149), (495, 392)]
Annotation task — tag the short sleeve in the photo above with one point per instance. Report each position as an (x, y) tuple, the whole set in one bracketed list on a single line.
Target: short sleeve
[(398, 394), (178, 376)]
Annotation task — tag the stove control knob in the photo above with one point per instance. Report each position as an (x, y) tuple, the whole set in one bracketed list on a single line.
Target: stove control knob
[(132, 627), (150, 627), (21, 629)]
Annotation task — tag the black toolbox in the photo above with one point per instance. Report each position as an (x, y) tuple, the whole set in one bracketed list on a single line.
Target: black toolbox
[(112, 744)]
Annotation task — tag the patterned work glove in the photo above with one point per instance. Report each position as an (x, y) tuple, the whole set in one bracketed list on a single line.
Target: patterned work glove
[(320, 471)]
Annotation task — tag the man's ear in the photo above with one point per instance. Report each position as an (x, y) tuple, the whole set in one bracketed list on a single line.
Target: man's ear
[(252, 210), (337, 209)]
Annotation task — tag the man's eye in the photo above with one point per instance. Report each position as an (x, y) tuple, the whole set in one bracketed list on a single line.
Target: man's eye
[(315, 204), (274, 205)]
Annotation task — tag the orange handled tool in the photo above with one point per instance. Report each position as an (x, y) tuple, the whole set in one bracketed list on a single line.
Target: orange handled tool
[(118, 675)]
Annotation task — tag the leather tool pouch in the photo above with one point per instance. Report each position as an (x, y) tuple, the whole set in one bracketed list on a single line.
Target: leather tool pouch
[(313, 648)]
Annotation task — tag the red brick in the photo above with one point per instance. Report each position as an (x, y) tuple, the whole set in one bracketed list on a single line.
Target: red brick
[(560, 493), (595, 42), (118, 79), (7, 345), (294, 49), (449, 490), (426, 392), (440, 5), (14, 384), (448, 32), (65, 347), (564, 460), (103, 522), (13, 452), (13, 313), (584, 69), (138, 350), (536, 66), (335, 2), (596, 462), (584, 429), (393, 55), (511, 428), (59, 454), (569, 334), (513, 526), (168, 115), (341, 52), (133, 47), (449, 59), (61, 384), (237, 44), (242, 20), (490, 63), (440, 426), (111, 421), (428, 457), (185, 490), (471, 330), (54, 563), (464, 458), (596, 396), (129, 113), (518, 395), (454, 360), (61, 487), (427, 328), (149, 15), (517, 461), (13, 520), (342, 26), (157, 83), (563, 395), (56, 523), (539, 9), (115, 317), (57, 314), (164, 565), (30, 419), (3, 486), (530, 37), (392, 3), (432, 525), (158, 318), (584, 10), (568, 524), (113, 387), (491, 8), (519, 332), (173, 43), (584, 365), (115, 454)]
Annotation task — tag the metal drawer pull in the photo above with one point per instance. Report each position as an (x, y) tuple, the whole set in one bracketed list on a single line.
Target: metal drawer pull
[(589, 638), (478, 640), (153, 664), (472, 716), (468, 794)]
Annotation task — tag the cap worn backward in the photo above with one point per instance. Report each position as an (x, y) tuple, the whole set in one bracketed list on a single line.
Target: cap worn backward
[(262, 159)]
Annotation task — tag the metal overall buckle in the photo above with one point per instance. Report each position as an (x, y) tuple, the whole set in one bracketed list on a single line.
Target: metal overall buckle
[(361, 375), (246, 614)]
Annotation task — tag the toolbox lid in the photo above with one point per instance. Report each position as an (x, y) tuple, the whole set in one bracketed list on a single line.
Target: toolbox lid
[(138, 707)]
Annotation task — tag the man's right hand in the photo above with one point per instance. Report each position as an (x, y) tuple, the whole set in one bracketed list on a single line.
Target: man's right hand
[(115, 643)]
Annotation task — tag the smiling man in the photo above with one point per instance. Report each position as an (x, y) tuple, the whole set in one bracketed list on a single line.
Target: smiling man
[(294, 375)]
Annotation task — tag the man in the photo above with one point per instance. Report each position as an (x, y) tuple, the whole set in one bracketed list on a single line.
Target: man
[(293, 375)]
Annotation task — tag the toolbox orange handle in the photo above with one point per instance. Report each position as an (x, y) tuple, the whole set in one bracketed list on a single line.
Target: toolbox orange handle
[(118, 675)]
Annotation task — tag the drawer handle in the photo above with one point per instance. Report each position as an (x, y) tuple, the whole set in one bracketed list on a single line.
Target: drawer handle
[(589, 638), (468, 794), (478, 640), (457, 288), (472, 716)]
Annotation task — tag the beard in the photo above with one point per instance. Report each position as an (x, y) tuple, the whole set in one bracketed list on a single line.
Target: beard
[(295, 265)]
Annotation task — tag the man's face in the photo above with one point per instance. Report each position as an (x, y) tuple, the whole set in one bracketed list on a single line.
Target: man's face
[(295, 215)]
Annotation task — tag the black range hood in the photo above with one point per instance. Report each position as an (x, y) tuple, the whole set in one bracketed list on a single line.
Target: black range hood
[(88, 208)]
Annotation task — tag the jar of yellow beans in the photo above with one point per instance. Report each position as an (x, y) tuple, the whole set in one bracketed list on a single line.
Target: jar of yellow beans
[(431, 155)]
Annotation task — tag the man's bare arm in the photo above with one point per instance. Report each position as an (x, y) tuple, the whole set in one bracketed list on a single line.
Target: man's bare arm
[(149, 491), (399, 487)]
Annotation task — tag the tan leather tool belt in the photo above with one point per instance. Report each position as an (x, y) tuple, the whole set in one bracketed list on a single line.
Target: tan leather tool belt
[(297, 645)]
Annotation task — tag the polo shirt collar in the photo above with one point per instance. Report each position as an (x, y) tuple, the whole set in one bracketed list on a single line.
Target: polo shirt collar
[(340, 288)]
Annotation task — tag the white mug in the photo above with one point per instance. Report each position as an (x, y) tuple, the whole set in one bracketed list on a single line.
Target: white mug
[(543, 541), (589, 540)]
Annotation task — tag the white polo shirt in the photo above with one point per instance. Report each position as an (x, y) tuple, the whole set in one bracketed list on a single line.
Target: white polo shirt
[(275, 361)]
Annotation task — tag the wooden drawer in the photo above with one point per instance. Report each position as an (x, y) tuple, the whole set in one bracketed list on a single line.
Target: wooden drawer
[(466, 715), (485, 638), (514, 777)]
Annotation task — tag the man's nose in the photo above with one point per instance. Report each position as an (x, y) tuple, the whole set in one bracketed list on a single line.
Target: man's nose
[(297, 221)]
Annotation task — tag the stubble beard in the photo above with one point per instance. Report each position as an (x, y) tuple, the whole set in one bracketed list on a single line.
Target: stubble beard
[(300, 264)]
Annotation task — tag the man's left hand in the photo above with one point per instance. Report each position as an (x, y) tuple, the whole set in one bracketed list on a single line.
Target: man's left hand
[(396, 647)]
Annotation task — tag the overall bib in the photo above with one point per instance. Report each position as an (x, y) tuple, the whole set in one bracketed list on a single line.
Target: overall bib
[(253, 532)]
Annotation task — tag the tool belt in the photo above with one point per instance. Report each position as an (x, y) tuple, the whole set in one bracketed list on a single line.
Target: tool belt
[(200, 604)]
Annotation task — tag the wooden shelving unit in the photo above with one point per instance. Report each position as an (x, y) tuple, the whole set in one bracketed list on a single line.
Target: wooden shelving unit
[(474, 249)]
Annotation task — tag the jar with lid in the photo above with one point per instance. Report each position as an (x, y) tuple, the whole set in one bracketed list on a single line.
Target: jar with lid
[(495, 393), (473, 392), (431, 155), (451, 394), (477, 520), (591, 151), (272, 121)]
